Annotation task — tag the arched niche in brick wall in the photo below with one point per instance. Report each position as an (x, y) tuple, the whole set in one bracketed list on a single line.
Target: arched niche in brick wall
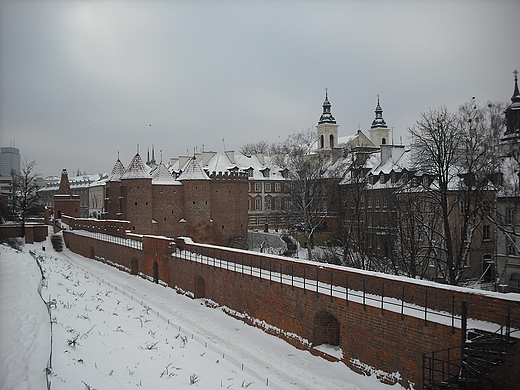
[(327, 329), (134, 266), (199, 290), (92, 253)]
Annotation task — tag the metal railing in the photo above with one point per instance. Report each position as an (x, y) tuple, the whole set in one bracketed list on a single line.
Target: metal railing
[(320, 281)]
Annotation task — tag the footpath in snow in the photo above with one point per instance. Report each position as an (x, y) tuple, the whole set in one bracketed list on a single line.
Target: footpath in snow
[(113, 330)]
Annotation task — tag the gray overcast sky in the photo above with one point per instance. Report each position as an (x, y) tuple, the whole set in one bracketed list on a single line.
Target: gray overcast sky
[(82, 80)]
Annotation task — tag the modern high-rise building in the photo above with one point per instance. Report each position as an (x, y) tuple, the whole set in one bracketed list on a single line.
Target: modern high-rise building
[(9, 161)]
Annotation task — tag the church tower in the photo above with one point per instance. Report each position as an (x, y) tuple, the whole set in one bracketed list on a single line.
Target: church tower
[(327, 127), (513, 112), (379, 132)]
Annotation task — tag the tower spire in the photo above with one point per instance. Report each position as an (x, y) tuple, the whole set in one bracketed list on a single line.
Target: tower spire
[(516, 94), (378, 121), (513, 111), (326, 116)]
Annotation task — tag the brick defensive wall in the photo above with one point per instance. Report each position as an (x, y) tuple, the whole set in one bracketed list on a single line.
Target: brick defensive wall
[(380, 321)]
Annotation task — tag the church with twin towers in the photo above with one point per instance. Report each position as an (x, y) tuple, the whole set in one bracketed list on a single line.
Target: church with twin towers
[(328, 134)]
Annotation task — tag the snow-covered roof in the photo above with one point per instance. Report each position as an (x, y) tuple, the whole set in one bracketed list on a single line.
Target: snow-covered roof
[(161, 176), (193, 171), (117, 171), (137, 169)]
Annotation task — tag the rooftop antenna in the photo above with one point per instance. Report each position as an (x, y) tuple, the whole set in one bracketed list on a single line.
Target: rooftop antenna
[(138, 148), (224, 143), (393, 127), (118, 154), (160, 151), (202, 147)]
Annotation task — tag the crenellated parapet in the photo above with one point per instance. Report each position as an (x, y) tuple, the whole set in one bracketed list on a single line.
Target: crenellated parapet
[(229, 176)]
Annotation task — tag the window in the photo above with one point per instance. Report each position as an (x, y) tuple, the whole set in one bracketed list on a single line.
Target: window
[(510, 216), (258, 203), (514, 282), (511, 250), (369, 201), (278, 203), (486, 232), (258, 187), (268, 203), (278, 187), (378, 202), (267, 187), (488, 269)]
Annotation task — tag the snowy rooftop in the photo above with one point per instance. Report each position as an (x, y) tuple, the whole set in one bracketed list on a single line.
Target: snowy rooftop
[(137, 169), (162, 176), (193, 171)]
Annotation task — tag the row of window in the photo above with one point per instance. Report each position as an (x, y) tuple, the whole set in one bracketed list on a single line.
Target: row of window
[(268, 187), (260, 221), (270, 203)]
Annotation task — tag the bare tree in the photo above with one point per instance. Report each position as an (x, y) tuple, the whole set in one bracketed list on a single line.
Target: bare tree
[(25, 194), (459, 152), (353, 228), (313, 176), (255, 147)]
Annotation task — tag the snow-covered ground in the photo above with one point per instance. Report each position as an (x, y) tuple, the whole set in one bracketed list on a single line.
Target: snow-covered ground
[(112, 330)]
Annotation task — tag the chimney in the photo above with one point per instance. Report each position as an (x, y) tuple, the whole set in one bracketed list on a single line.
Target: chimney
[(183, 160), (231, 156), (260, 157), (206, 156)]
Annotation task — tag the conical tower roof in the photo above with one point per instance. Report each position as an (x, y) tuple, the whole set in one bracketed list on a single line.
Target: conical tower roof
[(117, 171), (137, 169), (161, 175), (193, 171), (64, 184)]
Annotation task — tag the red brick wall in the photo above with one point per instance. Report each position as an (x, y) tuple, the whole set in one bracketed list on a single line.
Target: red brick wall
[(137, 204), (33, 233), (113, 201), (96, 249), (377, 337), (67, 205), (229, 197), (384, 340), (168, 210)]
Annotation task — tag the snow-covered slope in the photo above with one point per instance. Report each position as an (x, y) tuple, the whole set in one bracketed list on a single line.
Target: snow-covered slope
[(112, 330)]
